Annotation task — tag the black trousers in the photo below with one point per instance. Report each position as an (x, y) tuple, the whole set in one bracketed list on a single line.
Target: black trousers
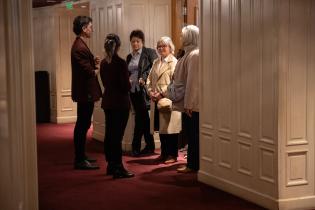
[(169, 145), (82, 125), (142, 122), (191, 125), (115, 124)]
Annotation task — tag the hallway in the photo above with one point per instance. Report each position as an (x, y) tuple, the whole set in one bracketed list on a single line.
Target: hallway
[(154, 186)]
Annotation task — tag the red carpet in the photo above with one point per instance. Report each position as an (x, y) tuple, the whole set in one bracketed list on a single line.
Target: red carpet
[(155, 186)]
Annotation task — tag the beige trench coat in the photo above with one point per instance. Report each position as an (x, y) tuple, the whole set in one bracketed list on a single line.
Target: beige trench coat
[(159, 79)]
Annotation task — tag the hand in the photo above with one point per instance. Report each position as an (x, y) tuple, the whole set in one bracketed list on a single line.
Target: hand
[(97, 60), (188, 112), (141, 82), (155, 96), (97, 71), (158, 96), (152, 95)]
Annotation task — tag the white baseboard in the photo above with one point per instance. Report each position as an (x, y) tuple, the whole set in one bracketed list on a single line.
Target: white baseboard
[(238, 190), (299, 203), (126, 144), (306, 203), (61, 120), (98, 136)]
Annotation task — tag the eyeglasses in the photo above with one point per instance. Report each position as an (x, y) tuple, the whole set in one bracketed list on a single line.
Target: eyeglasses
[(161, 46)]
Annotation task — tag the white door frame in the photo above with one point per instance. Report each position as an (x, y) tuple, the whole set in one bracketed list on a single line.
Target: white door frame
[(18, 155)]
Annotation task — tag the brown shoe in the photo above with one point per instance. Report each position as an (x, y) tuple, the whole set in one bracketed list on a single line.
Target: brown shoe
[(170, 160), (185, 170), (181, 167)]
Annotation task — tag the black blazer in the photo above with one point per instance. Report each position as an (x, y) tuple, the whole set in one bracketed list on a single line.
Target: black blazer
[(84, 86), (147, 57), (115, 78)]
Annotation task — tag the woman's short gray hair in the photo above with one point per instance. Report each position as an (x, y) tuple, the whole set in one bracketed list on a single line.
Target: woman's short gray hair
[(190, 35), (167, 41)]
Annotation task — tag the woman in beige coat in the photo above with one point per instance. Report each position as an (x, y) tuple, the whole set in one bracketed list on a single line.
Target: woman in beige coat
[(168, 123)]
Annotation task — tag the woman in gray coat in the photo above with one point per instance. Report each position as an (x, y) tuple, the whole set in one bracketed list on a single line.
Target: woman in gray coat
[(184, 92)]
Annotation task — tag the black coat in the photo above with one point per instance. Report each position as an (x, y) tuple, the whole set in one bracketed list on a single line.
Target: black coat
[(116, 84), (147, 57), (84, 86)]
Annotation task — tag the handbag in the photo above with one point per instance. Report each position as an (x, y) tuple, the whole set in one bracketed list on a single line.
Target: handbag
[(164, 105), (175, 91)]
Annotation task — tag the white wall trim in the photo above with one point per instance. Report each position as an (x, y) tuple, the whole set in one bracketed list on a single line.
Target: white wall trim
[(98, 135), (21, 106), (297, 203), (238, 190), (60, 120)]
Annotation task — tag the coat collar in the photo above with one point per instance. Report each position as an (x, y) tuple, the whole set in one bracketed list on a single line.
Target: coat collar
[(190, 48), (143, 55), (167, 66), (79, 39)]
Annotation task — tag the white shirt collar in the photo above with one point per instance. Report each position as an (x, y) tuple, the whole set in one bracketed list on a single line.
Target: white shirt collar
[(137, 52)]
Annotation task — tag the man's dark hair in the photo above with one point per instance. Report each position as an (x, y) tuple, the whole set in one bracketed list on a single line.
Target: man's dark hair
[(137, 33), (79, 22)]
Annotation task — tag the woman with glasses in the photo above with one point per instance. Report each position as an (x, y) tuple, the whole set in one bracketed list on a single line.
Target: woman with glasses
[(167, 122)]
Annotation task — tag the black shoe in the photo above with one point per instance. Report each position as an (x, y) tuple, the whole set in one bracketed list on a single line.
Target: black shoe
[(135, 153), (85, 165), (147, 151), (91, 160), (121, 173)]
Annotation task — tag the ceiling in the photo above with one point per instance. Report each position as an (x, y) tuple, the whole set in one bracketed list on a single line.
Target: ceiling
[(43, 3)]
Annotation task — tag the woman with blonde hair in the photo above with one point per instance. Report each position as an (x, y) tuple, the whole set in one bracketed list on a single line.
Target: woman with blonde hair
[(162, 118), (184, 92)]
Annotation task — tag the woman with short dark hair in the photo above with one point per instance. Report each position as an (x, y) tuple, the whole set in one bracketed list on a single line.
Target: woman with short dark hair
[(139, 63)]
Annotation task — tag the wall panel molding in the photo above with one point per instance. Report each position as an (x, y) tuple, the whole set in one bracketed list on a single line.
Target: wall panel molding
[(258, 87)]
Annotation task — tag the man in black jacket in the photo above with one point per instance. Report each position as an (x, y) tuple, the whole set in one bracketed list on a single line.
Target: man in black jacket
[(139, 62), (85, 89)]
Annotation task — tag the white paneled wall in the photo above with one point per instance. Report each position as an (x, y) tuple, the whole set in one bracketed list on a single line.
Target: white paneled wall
[(257, 107), (296, 103), (121, 17)]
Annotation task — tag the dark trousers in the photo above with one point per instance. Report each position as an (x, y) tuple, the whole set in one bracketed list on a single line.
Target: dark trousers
[(115, 124), (191, 125), (169, 145), (82, 125), (142, 122)]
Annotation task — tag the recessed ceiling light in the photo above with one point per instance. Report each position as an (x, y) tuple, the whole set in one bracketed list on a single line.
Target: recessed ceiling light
[(83, 6)]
